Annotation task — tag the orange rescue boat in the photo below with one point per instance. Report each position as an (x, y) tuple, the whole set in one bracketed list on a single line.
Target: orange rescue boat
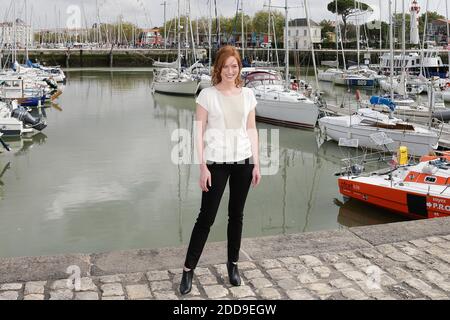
[(417, 191)]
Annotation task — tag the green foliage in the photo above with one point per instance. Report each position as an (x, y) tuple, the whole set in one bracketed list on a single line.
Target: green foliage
[(431, 16), (327, 26), (346, 8)]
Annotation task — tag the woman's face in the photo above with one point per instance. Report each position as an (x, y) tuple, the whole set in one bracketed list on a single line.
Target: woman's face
[(230, 70)]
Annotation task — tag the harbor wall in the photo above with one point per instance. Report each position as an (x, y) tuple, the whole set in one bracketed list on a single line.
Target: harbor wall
[(145, 57)]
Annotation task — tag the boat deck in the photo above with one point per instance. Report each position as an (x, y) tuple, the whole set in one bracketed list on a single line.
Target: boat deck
[(333, 110)]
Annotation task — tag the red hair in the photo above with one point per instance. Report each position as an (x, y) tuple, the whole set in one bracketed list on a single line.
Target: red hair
[(222, 55)]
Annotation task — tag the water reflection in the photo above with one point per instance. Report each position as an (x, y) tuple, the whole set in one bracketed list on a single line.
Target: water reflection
[(19, 146), (4, 167), (354, 213), (107, 182), (22, 145)]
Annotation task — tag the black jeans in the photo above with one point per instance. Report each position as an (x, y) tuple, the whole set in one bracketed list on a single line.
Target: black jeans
[(240, 174)]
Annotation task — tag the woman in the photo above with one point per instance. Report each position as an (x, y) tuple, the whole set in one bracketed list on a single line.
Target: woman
[(227, 146)]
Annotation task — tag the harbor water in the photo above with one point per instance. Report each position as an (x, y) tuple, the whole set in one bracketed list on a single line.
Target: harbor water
[(100, 177)]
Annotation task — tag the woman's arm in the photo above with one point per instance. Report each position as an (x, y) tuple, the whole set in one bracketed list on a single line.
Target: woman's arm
[(253, 136), (201, 120)]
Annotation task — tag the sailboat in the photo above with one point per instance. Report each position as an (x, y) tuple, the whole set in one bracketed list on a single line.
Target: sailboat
[(200, 73), (417, 191), (277, 102), (366, 126), (173, 81)]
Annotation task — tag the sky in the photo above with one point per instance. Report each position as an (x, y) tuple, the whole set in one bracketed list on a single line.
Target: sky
[(149, 13)]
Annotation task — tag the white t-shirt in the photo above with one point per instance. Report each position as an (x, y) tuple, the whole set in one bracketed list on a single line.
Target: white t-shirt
[(226, 136)]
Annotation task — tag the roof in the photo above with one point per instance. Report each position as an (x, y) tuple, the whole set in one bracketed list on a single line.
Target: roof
[(302, 22), (440, 21)]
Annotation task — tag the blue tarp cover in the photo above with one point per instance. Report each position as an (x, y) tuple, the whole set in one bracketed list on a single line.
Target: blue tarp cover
[(383, 101)]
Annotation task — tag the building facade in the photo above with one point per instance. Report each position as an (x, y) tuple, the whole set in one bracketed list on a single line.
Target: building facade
[(151, 37), (437, 31), (15, 32), (298, 36)]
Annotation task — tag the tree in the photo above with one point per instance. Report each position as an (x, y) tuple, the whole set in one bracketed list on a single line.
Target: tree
[(373, 35), (260, 23), (431, 16), (327, 26), (346, 8)]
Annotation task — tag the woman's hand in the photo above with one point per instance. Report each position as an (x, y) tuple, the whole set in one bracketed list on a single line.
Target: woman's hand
[(205, 178), (256, 176)]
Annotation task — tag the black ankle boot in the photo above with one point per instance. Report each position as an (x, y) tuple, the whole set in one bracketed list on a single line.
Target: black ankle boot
[(186, 281), (233, 274)]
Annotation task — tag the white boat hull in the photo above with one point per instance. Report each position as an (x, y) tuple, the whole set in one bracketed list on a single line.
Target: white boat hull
[(184, 87), (329, 75), (11, 127), (414, 89), (205, 83), (325, 76), (418, 144), (339, 81), (293, 114), (446, 96)]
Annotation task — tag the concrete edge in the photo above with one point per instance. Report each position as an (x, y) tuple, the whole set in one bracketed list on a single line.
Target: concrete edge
[(142, 260)]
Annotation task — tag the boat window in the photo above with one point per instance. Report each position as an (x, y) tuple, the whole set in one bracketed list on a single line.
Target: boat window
[(367, 121), (430, 179)]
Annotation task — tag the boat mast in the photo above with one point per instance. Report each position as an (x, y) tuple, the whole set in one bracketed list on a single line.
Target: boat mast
[(423, 40), (403, 49), (243, 32), (286, 49), (14, 57), (358, 36), (342, 47), (26, 31), (312, 44), (274, 34), (337, 35), (186, 28), (179, 39), (209, 36), (391, 47), (268, 34), (381, 30), (197, 39), (165, 32), (194, 53), (448, 31)]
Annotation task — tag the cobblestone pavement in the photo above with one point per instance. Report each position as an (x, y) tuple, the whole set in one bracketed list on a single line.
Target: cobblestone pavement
[(416, 269)]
